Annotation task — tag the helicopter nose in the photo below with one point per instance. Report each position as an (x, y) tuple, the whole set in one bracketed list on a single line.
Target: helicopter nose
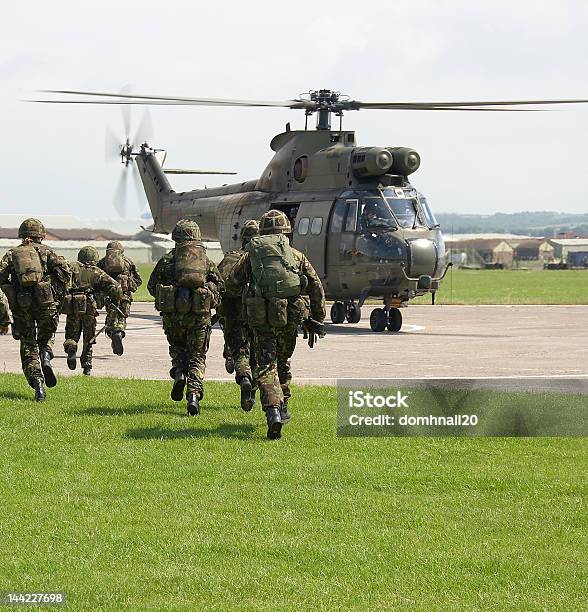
[(423, 257)]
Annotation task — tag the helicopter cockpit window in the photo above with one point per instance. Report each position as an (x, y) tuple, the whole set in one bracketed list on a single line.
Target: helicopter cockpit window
[(405, 209), (338, 216), (303, 226), (375, 213), (317, 226), (429, 216), (351, 221)]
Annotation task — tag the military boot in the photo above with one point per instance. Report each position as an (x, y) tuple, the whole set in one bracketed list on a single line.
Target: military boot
[(229, 364), (177, 392), (247, 394), (48, 372), (274, 422), (193, 403), (87, 370), (39, 391), (71, 359), (117, 343), (284, 412)]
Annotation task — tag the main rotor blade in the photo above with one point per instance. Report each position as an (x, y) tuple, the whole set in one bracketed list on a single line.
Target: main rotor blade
[(457, 105), (181, 171), (142, 99)]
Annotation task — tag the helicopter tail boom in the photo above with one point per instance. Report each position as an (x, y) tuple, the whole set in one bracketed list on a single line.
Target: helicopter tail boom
[(157, 187)]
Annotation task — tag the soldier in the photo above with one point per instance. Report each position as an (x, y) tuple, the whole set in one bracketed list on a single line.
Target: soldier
[(35, 279), (4, 314), (186, 285), (125, 273), (237, 333), (89, 284), (280, 287)]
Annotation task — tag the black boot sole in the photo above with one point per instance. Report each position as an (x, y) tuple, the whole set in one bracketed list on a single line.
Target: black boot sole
[(177, 392), (117, 345), (193, 411), (72, 361), (247, 397), (274, 430), (49, 375)]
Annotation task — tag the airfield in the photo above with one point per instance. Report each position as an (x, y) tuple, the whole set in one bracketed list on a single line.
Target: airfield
[(485, 342)]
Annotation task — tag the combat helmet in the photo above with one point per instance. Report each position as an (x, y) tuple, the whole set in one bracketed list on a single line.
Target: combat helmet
[(31, 228), (274, 222), (115, 245), (88, 255), (250, 229), (186, 230)]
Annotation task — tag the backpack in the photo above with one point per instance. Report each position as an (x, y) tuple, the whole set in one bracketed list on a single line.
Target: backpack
[(274, 267), (84, 278), (191, 264), (114, 262), (226, 267), (27, 265)]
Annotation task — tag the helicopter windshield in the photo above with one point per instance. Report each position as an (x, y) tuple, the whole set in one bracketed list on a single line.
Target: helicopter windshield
[(405, 209), (429, 216), (375, 213)]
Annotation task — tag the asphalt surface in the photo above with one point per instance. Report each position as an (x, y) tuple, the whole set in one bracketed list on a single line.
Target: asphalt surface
[(506, 347)]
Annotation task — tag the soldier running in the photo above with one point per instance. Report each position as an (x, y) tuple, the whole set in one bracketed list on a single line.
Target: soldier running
[(123, 270), (186, 285), (280, 287), (237, 334), (35, 279), (89, 286)]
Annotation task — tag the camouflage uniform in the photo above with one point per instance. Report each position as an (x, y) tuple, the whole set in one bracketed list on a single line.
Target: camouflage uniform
[(274, 346), (35, 323), (97, 283), (188, 334), (130, 280), (238, 335), (4, 314)]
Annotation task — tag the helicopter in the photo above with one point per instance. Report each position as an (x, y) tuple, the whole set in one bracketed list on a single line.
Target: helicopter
[(368, 232)]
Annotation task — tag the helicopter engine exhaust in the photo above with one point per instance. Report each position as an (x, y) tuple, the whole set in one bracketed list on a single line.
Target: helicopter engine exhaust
[(371, 161), (406, 161)]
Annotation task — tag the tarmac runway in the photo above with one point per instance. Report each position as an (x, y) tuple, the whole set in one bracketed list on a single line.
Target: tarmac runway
[(504, 343)]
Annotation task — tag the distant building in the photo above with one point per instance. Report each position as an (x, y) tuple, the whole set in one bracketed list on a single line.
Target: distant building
[(573, 251), (481, 249)]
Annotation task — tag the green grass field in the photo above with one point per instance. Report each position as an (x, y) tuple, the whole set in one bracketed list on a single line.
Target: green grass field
[(111, 494), (512, 287), (489, 287)]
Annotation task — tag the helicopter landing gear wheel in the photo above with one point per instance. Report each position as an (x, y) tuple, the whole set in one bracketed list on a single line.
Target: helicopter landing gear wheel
[(353, 313), (338, 312), (394, 320), (378, 320)]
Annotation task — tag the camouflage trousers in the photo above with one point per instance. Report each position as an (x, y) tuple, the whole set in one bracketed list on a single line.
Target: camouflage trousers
[(238, 339), (117, 321), (188, 340), (77, 326), (273, 349), (35, 328)]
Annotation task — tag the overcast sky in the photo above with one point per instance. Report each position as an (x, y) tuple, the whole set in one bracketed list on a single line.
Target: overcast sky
[(52, 157)]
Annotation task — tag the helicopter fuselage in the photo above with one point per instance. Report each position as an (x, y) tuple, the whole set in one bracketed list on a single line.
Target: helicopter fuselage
[(366, 230)]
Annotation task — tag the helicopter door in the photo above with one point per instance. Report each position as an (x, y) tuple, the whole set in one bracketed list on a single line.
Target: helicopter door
[(343, 225), (310, 232)]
